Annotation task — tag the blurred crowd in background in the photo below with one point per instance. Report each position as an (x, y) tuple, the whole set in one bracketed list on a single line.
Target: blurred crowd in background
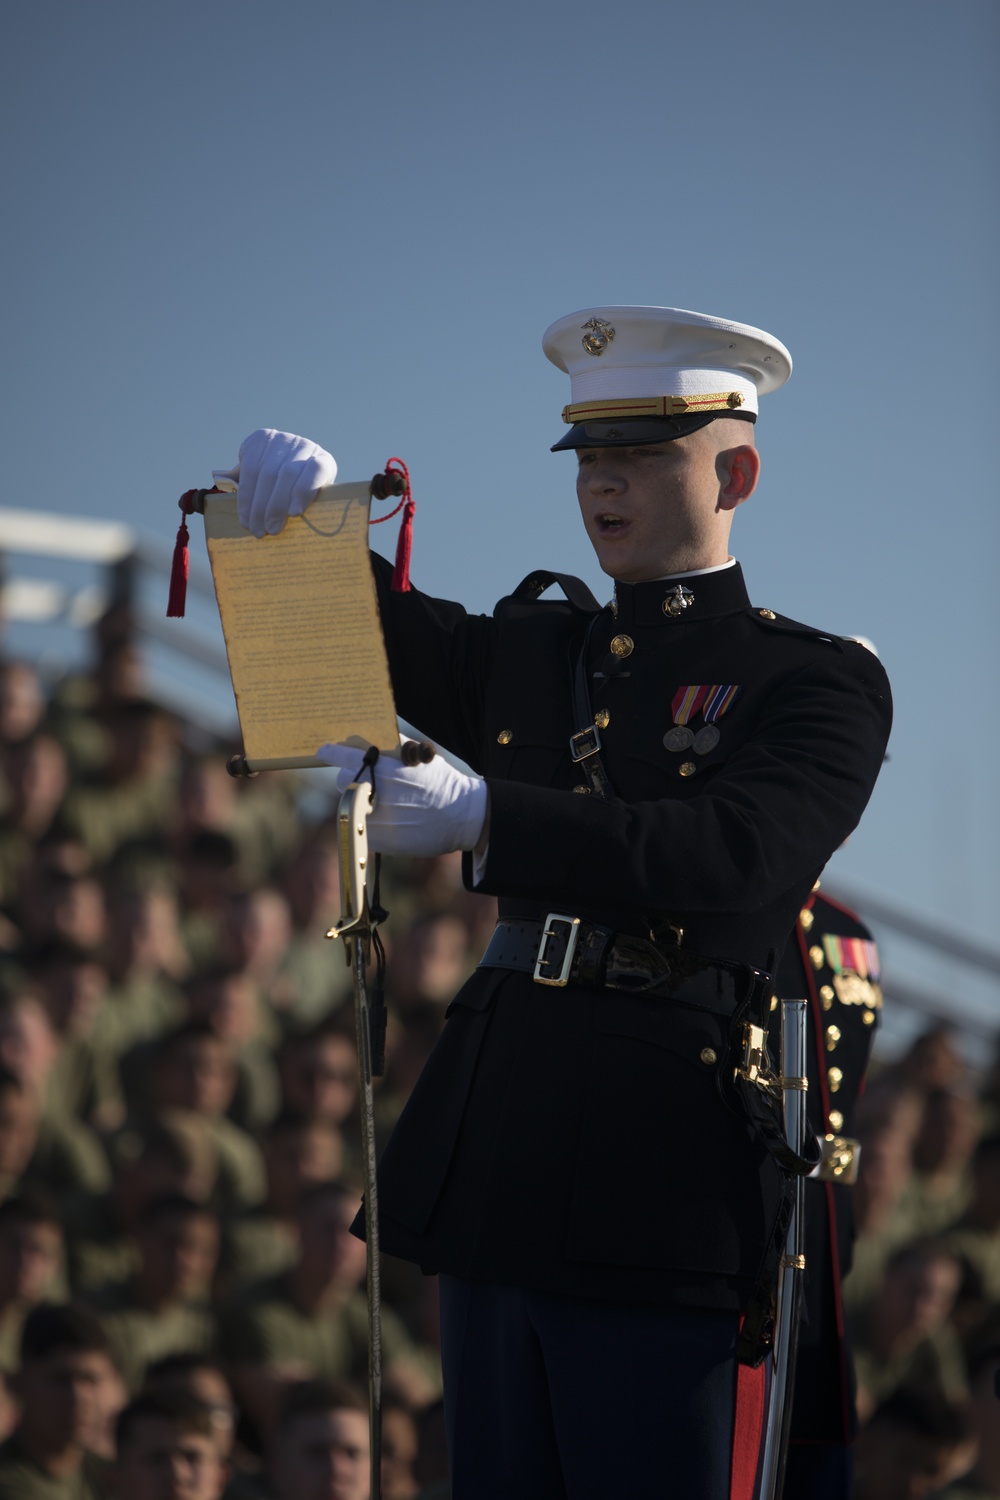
[(179, 1140), (179, 1130)]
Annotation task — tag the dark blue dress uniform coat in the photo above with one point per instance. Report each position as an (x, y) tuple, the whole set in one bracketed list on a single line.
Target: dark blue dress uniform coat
[(584, 1141), (843, 1007)]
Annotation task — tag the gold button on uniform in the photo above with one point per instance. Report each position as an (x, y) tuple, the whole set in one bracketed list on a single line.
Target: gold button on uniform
[(807, 919), (688, 768), (602, 718), (832, 1038), (817, 956), (622, 645), (835, 1078), (585, 790), (708, 1056), (826, 995), (505, 736), (767, 614), (774, 1002), (868, 1016), (836, 1120)]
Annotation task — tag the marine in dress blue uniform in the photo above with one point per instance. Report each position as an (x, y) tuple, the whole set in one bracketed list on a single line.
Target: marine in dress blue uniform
[(577, 1160)]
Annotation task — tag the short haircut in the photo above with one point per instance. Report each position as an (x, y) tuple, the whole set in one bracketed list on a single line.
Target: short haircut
[(924, 1412), (178, 1138), (29, 1206), (174, 1205), (983, 1357), (186, 1362), (50, 1327), (198, 1031), (926, 1252), (319, 1192), (10, 1083), (183, 1411), (308, 1397), (987, 1150), (214, 849), (339, 1026)]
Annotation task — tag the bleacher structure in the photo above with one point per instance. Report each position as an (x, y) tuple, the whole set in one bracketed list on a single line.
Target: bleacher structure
[(58, 573)]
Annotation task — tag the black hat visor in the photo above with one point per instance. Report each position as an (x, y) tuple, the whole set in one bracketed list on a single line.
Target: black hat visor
[(638, 430)]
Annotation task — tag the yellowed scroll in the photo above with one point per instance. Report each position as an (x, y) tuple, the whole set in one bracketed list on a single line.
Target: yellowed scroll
[(303, 636)]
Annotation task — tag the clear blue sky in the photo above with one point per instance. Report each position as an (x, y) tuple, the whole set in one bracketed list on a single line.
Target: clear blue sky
[(355, 221)]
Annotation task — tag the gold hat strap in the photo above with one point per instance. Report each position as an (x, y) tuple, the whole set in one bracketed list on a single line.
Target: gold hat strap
[(651, 406)]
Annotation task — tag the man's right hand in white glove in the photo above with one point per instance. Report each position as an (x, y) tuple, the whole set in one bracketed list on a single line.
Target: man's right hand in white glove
[(427, 809), (278, 475)]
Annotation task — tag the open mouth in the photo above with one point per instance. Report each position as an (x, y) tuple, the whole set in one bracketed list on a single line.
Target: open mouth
[(608, 523)]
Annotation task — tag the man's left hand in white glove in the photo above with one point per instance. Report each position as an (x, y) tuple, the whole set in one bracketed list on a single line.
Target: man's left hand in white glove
[(422, 809)]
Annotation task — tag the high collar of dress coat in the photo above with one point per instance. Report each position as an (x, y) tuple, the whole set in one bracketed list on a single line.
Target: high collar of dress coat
[(684, 599)]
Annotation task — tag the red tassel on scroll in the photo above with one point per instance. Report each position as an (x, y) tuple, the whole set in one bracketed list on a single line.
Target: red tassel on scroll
[(191, 500), (177, 597), (404, 545)]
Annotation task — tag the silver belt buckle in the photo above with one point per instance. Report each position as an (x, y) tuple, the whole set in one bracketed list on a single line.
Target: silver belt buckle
[(573, 923), (581, 747)]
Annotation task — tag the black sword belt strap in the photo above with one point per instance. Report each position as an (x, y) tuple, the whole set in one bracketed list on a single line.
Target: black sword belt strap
[(585, 745), (575, 589)]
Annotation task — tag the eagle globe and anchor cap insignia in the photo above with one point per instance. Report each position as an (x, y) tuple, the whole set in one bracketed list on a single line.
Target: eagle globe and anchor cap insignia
[(597, 340)]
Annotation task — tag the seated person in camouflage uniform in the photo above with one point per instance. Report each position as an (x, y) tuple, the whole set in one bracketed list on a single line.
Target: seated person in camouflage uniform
[(313, 1319), (227, 1000), (915, 1442), (68, 1156), (299, 1153), (976, 1234), (319, 1072), (58, 1155), (982, 1482), (36, 777), (320, 1447), (146, 963), (31, 1254), (200, 1377), (59, 898), (132, 797), (165, 1308), (63, 1386), (194, 1069), (167, 1451), (315, 986), (30, 1048), (174, 1154), (84, 1077), (904, 1337)]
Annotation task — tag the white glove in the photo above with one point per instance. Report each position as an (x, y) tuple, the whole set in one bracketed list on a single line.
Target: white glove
[(278, 475), (422, 809)]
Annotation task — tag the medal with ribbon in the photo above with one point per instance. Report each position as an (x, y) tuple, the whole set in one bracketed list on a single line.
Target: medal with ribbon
[(712, 702), (857, 970)]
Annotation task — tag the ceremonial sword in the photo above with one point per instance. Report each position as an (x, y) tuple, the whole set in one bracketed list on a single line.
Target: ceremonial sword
[(792, 1264), (357, 928)]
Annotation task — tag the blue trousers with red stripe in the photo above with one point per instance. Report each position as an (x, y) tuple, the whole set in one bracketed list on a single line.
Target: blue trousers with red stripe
[(557, 1398)]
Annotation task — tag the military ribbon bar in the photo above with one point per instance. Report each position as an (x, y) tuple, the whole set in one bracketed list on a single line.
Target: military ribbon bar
[(686, 703), (720, 698), (853, 955), (712, 700)]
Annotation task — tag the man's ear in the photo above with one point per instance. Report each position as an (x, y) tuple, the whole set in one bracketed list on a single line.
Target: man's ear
[(739, 470)]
